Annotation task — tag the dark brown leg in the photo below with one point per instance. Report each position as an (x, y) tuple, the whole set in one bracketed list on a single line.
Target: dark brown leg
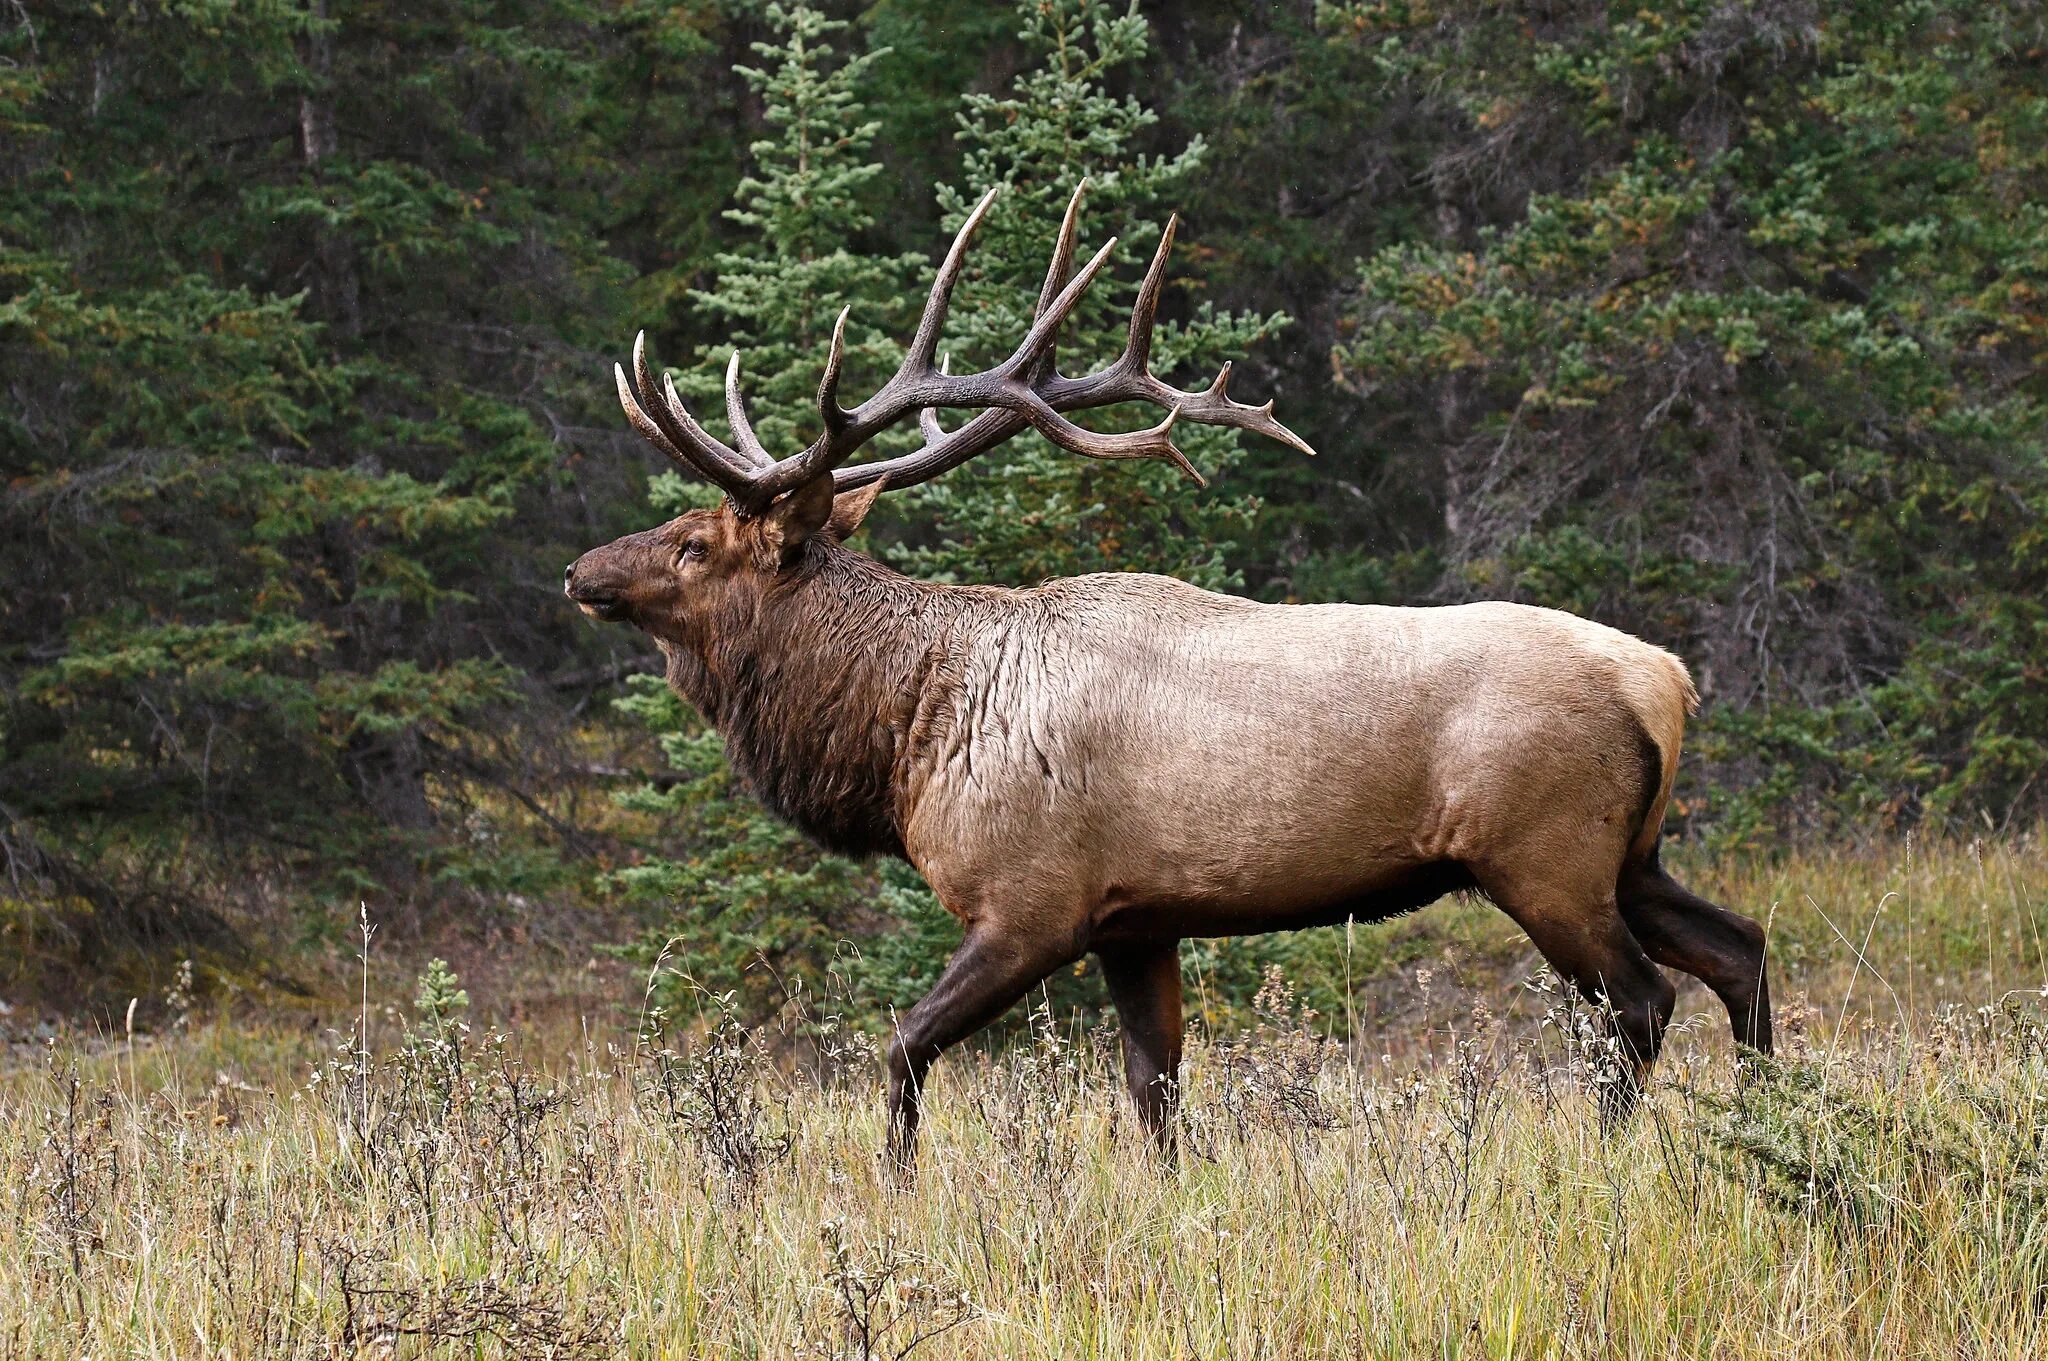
[(1591, 948), (1722, 949), (1144, 982), (985, 977)]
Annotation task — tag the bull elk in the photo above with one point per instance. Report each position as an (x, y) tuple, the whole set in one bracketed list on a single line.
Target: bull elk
[(1114, 763)]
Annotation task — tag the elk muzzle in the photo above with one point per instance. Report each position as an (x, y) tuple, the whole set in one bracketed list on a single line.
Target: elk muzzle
[(597, 584)]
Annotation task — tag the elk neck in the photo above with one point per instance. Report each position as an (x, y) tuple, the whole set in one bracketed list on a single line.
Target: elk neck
[(816, 691)]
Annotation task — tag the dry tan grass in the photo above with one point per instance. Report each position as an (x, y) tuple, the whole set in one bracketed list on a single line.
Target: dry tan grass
[(1882, 1192)]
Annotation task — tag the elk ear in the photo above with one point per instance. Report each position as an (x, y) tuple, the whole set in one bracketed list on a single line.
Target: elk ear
[(849, 510), (790, 522)]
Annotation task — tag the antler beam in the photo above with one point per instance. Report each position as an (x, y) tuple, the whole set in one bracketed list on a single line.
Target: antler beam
[(1025, 390)]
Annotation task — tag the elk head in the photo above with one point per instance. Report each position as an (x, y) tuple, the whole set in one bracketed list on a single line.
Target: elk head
[(682, 581), (686, 580)]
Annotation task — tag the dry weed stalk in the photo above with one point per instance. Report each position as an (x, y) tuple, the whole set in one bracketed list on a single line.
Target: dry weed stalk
[(1029, 1097), (528, 1306), (886, 1302), (76, 1175), (1269, 1081)]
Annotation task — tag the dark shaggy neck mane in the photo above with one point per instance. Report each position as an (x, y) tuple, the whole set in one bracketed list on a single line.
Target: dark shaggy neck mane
[(815, 693)]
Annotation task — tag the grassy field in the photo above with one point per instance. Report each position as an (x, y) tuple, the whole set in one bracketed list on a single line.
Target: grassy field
[(1422, 1176)]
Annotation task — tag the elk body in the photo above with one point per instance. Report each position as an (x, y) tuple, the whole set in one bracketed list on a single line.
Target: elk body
[(1115, 763)]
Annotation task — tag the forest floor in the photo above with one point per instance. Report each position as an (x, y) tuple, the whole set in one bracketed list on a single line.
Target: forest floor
[(1427, 1174)]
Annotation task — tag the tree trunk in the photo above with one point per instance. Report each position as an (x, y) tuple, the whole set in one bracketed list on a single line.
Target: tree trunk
[(336, 296)]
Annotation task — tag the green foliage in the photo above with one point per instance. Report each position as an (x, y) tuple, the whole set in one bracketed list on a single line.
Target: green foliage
[(291, 304), (439, 998), (746, 906), (1865, 1156), (776, 296)]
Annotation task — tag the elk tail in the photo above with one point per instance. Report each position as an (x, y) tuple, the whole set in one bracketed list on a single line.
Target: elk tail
[(1662, 697)]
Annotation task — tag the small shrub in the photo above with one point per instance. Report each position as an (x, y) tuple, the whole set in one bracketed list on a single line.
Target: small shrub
[(885, 1302), (1866, 1148), (1269, 1080), (711, 1092)]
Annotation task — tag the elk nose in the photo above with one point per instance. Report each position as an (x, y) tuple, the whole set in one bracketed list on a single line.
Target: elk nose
[(568, 578)]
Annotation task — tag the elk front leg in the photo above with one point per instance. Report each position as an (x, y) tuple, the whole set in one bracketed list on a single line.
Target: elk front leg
[(1144, 982), (984, 978)]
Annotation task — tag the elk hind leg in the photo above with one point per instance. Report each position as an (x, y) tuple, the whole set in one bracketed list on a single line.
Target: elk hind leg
[(1144, 983), (983, 979), (1582, 934), (1723, 949)]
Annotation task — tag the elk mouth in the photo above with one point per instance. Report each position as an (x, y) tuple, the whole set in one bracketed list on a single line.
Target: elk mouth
[(597, 605)]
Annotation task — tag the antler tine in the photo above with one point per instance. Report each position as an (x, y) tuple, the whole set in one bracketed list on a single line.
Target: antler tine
[(643, 372), (945, 450), (677, 417), (942, 452), (675, 421), (1062, 251), (917, 356), (1211, 406), (669, 427), (1155, 442), (833, 415), (641, 422), (928, 417), (1047, 323), (1137, 356), (1059, 270), (736, 416)]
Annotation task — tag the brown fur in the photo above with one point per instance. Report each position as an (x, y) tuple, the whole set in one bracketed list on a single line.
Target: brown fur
[(1114, 763), (806, 669)]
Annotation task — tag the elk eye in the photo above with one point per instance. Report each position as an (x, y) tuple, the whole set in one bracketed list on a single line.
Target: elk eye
[(692, 550)]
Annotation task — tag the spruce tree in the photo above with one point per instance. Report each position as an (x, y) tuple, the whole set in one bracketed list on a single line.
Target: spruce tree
[(295, 303), (804, 210)]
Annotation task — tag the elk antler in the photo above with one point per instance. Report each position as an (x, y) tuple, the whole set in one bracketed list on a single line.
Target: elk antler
[(1024, 390)]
